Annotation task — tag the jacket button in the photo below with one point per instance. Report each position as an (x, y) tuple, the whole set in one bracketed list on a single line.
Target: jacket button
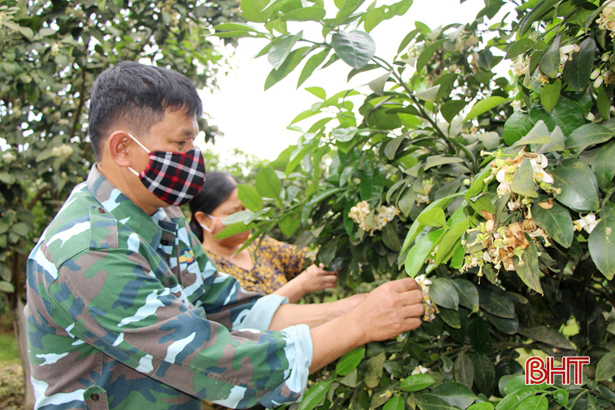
[(102, 210), (95, 397)]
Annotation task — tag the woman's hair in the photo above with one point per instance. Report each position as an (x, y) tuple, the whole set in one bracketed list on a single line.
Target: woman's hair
[(217, 188)]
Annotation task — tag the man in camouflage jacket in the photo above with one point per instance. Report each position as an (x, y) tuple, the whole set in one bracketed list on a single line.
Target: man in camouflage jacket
[(126, 312)]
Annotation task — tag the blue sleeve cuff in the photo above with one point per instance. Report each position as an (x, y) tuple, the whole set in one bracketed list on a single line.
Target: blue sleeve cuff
[(260, 315), (299, 353)]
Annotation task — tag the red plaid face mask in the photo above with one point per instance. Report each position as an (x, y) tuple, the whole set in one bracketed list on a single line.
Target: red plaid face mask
[(174, 177)]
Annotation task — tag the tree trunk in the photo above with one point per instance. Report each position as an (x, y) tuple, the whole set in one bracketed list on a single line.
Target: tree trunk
[(20, 324)]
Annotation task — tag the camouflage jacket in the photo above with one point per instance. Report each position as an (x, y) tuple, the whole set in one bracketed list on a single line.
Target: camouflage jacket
[(125, 311)]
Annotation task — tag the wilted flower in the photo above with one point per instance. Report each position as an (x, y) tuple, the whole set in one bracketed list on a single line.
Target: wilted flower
[(430, 308), (587, 222)]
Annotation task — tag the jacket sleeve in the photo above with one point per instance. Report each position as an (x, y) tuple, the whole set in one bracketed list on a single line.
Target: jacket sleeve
[(114, 302)]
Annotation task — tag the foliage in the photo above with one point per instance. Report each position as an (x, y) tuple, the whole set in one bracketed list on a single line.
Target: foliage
[(51, 54), (495, 193)]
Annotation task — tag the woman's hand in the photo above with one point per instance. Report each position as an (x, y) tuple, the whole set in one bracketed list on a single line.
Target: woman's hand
[(316, 278)]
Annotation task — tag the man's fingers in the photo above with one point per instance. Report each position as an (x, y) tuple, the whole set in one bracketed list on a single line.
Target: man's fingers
[(405, 284)]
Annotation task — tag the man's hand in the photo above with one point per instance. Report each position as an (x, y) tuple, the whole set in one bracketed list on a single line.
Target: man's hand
[(389, 310)]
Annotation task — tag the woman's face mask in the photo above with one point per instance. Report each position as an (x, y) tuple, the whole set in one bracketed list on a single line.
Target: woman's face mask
[(174, 177), (231, 241)]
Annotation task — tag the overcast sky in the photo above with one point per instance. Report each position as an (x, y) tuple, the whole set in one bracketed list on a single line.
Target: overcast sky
[(255, 120)]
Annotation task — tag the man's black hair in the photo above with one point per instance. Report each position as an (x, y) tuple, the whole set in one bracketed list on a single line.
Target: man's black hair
[(138, 94), (217, 188)]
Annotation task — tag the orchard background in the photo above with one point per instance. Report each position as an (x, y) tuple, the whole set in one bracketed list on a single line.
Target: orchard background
[(492, 187)]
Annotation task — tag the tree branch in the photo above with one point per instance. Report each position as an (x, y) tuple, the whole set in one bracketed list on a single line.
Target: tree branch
[(46, 188)]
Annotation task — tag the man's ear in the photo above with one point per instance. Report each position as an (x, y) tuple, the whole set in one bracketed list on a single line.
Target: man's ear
[(118, 143)]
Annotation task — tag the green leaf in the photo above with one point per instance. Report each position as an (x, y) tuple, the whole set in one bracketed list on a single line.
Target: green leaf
[(450, 239), (437, 160), (250, 198), (534, 15), (318, 92), (252, 10), (346, 8), (455, 394), (539, 134), (567, 114), (418, 253), (523, 181), (556, 222), (463, 370), (290, 222), (289, 64), (20, 228), (577, 70), (478, 330), (373, 371), (315, 395), (451, 108), (432, 217), (450, 317), (268, 184), (535, 403), (305, 14), (426, 54), (282, 49), (484, 373), (372, 183), (311, 65), (416, 382), (233, 229), (390, 237), (549, 94), (484, 105), (6, 287), (484, 405), (606, 367), (430, 401), (348, 362), (509, 326), (604, 166), (344, 134), (443, 293), (519, 47), (547, 335), (527, 267), (550, 60), (497, 302), (395, 403), (355, 48), (578, 184), (372, 18), (602, 243), (516, 126), (235, 27), (468, 294), (588, 134)]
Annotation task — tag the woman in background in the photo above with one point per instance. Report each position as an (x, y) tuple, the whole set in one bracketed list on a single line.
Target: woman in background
[(277, 268)]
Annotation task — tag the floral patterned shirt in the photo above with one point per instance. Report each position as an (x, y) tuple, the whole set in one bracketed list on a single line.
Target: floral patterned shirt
[(275, 263)]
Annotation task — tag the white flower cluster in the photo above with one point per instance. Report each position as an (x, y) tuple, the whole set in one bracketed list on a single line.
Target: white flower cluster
[(9, 157), (606, 21), (430, 308), (420, 370), (606, 73), (587, 222), (506, 169), (520, 65), (360, 215), (62, 150)]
